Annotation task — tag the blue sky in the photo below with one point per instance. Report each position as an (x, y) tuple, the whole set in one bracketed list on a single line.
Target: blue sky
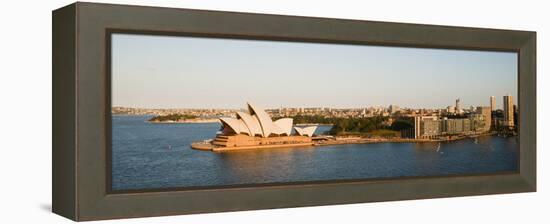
[(187, 72)]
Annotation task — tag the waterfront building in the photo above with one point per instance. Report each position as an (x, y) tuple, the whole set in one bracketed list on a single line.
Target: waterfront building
[(477, 123), (469, 124), (493, 102), (431, 127), (424, 126), (486, 117), (508, 108), (256, 128), (453, 126)]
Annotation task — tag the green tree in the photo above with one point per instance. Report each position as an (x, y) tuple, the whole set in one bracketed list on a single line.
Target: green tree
[(399, 125)]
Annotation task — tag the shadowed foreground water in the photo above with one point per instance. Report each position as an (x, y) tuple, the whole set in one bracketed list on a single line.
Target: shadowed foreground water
[(147, 156)]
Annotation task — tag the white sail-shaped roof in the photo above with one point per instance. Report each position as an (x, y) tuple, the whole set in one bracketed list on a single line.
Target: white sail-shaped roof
[(265, 121), (258, 122), (307, 131), (251, 123), (237, 125), (283, 126)]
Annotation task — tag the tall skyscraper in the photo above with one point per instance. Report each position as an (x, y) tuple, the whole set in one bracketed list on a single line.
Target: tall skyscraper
[(457, 106), (508, 111), (493, 103)]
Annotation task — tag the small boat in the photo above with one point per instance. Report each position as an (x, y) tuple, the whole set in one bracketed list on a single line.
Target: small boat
[(438, 147)]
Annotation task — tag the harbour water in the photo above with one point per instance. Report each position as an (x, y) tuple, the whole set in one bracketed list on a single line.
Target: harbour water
[(156, 156)]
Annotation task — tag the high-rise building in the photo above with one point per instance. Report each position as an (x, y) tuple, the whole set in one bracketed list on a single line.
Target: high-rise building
[(454, 126), (486, 113), (431, 127), (450, 109), (508, 107), (493, 103), (457, 106), (425, 126)]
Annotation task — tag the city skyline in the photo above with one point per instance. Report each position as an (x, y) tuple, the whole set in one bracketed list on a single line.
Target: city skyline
[(468, 107), (185, 72)]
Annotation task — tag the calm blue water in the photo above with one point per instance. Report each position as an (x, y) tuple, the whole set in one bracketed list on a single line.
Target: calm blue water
[(142, 158)]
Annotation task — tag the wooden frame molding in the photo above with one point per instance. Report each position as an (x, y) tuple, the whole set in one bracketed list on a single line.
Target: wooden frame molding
[(81, 110)]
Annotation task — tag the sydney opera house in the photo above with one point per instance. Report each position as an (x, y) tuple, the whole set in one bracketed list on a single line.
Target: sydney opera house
[(256, 129)]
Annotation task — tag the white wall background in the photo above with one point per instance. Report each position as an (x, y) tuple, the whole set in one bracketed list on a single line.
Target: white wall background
[(25, 112)]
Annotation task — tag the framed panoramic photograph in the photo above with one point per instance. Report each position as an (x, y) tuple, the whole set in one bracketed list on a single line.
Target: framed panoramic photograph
[(201, 111)]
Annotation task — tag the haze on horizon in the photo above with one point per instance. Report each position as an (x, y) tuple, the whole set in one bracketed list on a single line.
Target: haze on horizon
[(187, 72)]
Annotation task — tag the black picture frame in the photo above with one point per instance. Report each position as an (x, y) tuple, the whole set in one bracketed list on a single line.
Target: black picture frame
[(82, 110)]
